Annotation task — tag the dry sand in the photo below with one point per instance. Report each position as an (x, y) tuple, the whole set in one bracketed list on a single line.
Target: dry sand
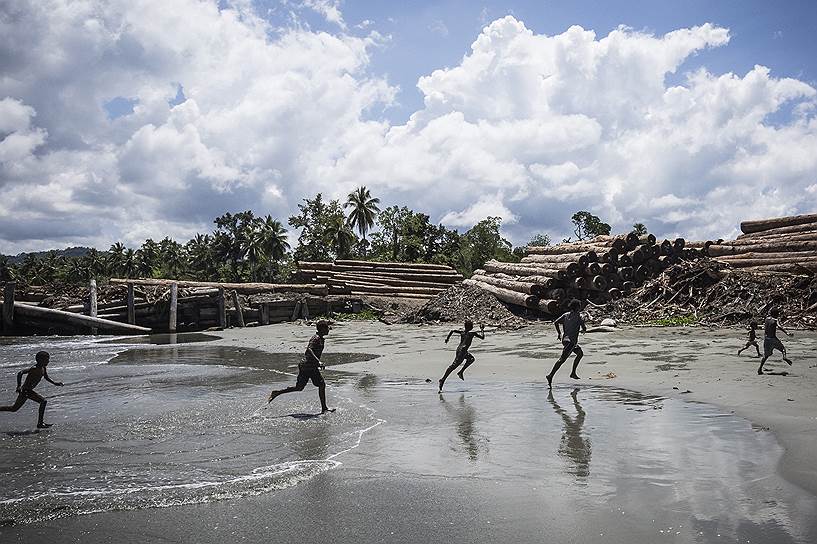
[(694, 364)]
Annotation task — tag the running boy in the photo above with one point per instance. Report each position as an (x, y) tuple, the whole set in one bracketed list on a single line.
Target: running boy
[(26, 391), (572, 322), (770, 341), (752, 340), (466, 337), (309, 368)]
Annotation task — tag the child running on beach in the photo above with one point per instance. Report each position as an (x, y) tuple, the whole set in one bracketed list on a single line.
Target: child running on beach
[(752, 340), (309, 368), (26, 391), (770, 340), (572, 322), (466, 337)]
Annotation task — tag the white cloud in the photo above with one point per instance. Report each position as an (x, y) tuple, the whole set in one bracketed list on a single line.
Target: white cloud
[(545, 125), (329, 9)]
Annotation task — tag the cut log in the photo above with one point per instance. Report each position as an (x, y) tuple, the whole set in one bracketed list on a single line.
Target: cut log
[(387, 280), (793, 258), (597, 282), (8, 306), (414, 276), (506, 295), (748, 227), (372, 288), (582, 259), (523, 270), (244, 288), (522, 287), (771, 247), (790, 255), (647, 239), (549, 307), (377, 264), (805, 227), (80, 320), (562, 249), (796, 237), (554, 294), (400, 295), (314, 265)]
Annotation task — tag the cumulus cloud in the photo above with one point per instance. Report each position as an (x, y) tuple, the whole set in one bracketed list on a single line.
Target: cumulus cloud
[(528, 127)]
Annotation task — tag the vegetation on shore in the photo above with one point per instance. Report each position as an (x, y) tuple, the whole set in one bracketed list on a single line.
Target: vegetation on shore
[(247, 247)]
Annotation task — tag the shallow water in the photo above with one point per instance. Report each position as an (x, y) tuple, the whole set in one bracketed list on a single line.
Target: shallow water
[(142, 426)]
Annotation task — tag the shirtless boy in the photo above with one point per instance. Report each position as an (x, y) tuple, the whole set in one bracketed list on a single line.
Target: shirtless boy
[(770, 340), (26, 390), (752, 340), (466, 337), (572, 322), (309, 368)]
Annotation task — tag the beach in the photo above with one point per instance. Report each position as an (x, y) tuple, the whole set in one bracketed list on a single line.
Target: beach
[(667, 436)]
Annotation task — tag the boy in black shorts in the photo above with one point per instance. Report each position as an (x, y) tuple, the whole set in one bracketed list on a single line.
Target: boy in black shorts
[(572, 322), (466, 337), (309, 368), (26, 390), (770, 340), (752, 340)]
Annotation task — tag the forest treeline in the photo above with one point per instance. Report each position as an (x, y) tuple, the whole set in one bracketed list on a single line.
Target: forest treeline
[(247, 247)]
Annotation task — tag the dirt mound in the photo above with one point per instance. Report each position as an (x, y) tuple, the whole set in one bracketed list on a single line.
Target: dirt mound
[(710, 293), (462, 302)]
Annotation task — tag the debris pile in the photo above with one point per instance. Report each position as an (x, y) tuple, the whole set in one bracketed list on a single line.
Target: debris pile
[(404, 280), (462, 302), (709, 293), (595, 271), (781, 244)]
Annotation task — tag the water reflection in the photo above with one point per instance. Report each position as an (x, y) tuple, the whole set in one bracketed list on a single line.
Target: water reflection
[(574, 445), (465, 416)]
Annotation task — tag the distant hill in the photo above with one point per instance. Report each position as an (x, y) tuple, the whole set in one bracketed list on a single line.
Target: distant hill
[(67, 252)]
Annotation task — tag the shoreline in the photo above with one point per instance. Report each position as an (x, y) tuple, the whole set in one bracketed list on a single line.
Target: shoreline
[(697, 364)]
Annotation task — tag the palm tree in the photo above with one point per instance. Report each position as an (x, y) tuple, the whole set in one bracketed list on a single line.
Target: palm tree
[(115, 258), (275, 238), (130, 266), (341, 238), (364, 211), (254, 248), (200, 258)]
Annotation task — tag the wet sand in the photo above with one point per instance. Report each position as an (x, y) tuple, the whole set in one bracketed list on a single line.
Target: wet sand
[(605, 459)]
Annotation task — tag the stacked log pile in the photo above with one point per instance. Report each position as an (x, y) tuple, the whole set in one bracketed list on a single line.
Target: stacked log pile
[(598, 270), (403, 280), (782, 244)]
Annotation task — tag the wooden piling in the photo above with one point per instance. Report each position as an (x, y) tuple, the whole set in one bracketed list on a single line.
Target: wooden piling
[(92, 309), (222, 308), (239, 313), (8, 306), (131, 305), (264, 310), (174, 301)]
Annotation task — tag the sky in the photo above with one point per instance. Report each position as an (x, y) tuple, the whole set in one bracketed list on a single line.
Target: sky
[(123, 120)]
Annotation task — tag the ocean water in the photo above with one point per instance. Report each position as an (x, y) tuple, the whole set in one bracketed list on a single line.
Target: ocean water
[(140, 425)]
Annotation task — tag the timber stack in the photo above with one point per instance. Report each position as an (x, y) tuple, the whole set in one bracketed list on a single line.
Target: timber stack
[(598, 270), (372, 278), (777, 245)]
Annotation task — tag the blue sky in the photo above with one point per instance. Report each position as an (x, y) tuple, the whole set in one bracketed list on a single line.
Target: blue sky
[(427, 35), (155, 117)]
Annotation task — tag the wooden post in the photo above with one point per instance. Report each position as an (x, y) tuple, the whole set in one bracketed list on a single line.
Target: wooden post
[(174, 301), (305, 310), (296, 312), (8, 306), (264, 313), (92, 303), (131, 305), (238, 312), (222, 309)]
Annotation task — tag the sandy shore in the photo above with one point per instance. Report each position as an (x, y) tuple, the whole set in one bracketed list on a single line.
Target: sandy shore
[(693, 364)]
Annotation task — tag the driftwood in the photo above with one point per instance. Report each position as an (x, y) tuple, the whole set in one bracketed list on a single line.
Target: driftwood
[(59, 316), (748, 227)]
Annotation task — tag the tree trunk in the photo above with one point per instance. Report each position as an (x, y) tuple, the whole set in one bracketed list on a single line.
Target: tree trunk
[(748, 227), (793, 229), (59, 316), (378, 264), (582, 259), (245, 288), (770, 255), (524, 270), (771, 239), (506, 295), (562, 249), (771, 247), (523, 287)]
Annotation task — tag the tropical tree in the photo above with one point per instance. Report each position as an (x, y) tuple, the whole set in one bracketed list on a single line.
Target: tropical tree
[(115, 258), (364, 212), (586, 225), (130, 266), (640, 229)]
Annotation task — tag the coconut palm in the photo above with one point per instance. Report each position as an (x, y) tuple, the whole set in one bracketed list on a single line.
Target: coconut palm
[(275, 238), (130, 266), (340, 237), (115, 258), (364, 211)]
